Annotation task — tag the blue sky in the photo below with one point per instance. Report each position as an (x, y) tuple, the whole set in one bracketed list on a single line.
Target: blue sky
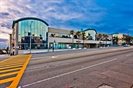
[(108, 16)]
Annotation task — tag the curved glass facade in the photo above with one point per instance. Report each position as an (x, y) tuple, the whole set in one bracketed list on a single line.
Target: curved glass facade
[(32, 34)]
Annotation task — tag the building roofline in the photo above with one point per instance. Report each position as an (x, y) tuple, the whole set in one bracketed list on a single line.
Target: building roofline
[(91, 29), (27, 18)]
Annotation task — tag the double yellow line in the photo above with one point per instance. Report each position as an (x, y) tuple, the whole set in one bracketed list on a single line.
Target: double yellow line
[(12, 69)]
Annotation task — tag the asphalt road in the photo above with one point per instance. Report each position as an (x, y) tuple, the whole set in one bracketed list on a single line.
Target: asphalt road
[(37, 56), (114, 69)]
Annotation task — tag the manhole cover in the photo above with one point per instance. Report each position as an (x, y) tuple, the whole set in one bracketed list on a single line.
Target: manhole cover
[(105, 86)]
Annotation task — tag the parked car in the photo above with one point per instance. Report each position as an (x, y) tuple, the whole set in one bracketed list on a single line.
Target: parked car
[(126, 45), (2, 51)]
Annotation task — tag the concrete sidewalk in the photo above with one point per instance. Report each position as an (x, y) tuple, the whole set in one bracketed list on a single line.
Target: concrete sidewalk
[(4, 56), (69, 51), (42, 51), (65, 56), (58, 50), (51, 53)]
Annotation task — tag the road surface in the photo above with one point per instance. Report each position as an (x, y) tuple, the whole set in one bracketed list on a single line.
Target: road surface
[(113, 69)]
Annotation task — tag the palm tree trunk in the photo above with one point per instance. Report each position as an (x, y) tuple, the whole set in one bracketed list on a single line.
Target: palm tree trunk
[(83, 43), (72, 42)]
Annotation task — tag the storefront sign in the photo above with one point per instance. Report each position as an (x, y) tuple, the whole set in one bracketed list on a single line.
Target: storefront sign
[(78, 41)]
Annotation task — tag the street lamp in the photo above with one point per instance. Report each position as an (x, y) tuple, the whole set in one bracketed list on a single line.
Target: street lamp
[(83, 37), (54, 45), (30, 35)]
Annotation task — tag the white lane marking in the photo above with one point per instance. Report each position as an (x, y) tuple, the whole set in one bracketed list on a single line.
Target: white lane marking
[(43, 57), (5, 60), (53, 56), (128, 55), (19, 87), (64, 74), (38, 57), (105, 86)]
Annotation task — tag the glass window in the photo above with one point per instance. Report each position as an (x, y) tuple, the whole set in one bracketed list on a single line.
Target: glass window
[(32, 32)]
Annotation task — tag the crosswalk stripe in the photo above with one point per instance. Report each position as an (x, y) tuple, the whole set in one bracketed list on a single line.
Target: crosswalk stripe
[(8, 74), (8, 70), (14, 66), (7, 80), (12, 62), (3, 61), (10, 67), (18, 77), (11, 59)]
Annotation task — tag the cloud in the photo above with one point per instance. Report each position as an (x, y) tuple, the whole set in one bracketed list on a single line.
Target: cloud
[(3, 40), (4, 36), (103, 15), (5, 30)]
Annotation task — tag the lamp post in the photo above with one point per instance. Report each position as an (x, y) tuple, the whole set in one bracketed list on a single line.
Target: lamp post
[(54, 45), (83, 37), (30, 35)]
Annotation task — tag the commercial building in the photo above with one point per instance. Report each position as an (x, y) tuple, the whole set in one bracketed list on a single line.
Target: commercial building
[(63, 39), (29, 33), (34, 34), (122, 39), (105, 39)]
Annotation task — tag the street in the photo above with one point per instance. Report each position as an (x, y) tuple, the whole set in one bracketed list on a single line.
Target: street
[(114, 69)]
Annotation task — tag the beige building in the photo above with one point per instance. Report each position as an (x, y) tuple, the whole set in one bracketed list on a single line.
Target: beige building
[(122, 39)]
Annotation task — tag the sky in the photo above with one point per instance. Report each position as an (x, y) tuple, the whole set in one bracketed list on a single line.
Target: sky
[(106, 16)]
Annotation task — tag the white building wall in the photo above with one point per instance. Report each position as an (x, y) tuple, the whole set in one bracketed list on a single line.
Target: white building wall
[(68, 40), (92, 33)]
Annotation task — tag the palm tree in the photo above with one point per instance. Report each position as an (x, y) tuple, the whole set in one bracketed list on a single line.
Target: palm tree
[(89, 37), (105, 36), (115, 40), (127, 39), (99, 37), (72, 33), (78, 34), (131, 42)]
